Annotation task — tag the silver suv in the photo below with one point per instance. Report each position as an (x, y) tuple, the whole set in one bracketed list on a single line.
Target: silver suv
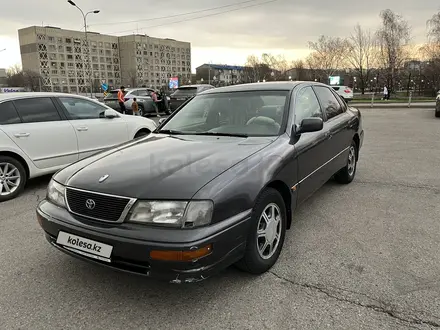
[(142, 95)]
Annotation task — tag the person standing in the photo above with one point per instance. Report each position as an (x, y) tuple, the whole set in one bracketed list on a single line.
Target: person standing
[(135, 107), (155, 102), (385, 93), (121, 94)]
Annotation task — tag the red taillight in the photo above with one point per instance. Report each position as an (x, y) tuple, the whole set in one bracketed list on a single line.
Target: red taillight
[(347, 91)]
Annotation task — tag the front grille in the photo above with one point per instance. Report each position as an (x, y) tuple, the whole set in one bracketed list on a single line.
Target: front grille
[(101, 207)]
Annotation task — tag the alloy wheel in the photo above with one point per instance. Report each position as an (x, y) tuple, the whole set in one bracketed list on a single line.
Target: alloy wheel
[(9, 179), (269, 231), (351, 161)]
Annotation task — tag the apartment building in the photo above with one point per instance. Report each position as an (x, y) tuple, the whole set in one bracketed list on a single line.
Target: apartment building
[(68, 62)]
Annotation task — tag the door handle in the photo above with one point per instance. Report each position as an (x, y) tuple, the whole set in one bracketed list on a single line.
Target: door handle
[(19, 135), (328, 135), (82, 128)]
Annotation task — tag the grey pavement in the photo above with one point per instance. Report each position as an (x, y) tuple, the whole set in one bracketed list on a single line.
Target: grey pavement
[(360, 256)]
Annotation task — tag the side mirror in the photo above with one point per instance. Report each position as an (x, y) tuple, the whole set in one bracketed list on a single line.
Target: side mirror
[(308, 125), (161, 121), (109, 114)]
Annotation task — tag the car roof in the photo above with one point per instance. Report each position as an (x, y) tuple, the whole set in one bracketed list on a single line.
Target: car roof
[(195, 86), (22, 95), (262, 86)]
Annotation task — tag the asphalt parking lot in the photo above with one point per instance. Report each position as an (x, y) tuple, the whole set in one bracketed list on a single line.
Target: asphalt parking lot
[(361, 256)]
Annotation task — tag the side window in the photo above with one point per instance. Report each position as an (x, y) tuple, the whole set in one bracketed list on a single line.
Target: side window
[(331, 105), (306, 105), (82, 109), (143, 92), (8, 114), (35, 110)]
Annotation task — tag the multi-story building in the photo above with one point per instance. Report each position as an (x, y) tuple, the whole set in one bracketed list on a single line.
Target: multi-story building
[(220, 74), (68, 62), (3, 78), (152, 61)]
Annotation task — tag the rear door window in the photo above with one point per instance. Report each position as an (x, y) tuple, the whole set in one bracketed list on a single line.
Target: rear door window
[(8, 114), (38, 109), (329, 102)]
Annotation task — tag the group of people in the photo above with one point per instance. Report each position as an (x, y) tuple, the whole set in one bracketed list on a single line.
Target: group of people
[(135, 105)]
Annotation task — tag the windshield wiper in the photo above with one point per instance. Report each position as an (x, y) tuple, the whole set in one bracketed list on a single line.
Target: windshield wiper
[(171, 132), (222, 134)]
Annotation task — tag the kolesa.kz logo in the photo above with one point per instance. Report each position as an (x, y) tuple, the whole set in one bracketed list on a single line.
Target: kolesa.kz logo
[(84, 245)]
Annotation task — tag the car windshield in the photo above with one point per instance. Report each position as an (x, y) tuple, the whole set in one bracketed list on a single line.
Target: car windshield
[(256, 113)]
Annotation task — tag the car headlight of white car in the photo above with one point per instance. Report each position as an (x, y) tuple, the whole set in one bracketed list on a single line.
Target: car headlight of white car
[(56, 193), (177, 214)]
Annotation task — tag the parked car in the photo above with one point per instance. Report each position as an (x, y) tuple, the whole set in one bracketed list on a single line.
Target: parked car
[(183, 93), (437, 105), (142, 95), (208, 191), (345, 92), (43, 132)]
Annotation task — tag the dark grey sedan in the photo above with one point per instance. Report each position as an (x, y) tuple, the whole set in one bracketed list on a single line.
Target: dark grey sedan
[(216, 184)]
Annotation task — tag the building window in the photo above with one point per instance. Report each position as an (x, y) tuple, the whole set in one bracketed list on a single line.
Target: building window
[(68, 41)]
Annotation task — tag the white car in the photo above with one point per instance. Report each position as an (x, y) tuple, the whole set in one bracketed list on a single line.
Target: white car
[(345, 92), (41, 133)]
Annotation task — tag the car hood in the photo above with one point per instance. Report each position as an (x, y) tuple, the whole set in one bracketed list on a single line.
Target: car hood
[(160, 166)]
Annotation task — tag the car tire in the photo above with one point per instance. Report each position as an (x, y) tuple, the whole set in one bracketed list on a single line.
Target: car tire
[(141, 133), (141, 110), (14, 169), (257, 259), (348, 172)]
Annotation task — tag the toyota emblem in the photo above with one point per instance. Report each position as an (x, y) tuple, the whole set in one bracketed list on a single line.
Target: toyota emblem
[(90, 204)]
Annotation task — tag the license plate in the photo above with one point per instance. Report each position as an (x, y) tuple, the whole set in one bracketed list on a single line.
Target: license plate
[(85, 246)]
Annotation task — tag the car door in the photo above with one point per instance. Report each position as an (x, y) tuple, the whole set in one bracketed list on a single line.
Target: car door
[(336, 124), (144, 98), (94, 132), (43, 134), (310, 148)]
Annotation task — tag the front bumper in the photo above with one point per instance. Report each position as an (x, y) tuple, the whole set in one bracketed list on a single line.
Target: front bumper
[(132, 244)]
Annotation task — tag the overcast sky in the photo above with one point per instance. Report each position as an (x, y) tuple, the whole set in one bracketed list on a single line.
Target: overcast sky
[(282, 26)]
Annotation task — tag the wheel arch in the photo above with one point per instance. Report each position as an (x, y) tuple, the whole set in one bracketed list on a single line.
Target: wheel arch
[(142, 130), (357, 140), (18, 158), (286, 194)]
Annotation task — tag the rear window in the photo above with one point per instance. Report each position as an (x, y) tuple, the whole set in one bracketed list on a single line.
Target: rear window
[(112, 95), (185, 91)]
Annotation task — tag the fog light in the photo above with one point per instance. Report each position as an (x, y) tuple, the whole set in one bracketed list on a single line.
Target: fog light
[(181, 255)]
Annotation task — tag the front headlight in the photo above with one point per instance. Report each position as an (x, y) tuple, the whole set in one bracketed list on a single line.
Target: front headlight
[(56, 193), (173, 213)]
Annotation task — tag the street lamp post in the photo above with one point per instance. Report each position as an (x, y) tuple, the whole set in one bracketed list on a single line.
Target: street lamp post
[(87, 43)]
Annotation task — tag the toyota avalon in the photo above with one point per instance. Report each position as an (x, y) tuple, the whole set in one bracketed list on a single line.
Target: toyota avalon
[(215, 185)]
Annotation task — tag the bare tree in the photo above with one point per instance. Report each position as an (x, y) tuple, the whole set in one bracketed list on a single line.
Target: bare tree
[(431, 53), (328, 54), (393, 38), (15, 76), (300, 67), (32, 80), (362, 54), (132, 77)]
